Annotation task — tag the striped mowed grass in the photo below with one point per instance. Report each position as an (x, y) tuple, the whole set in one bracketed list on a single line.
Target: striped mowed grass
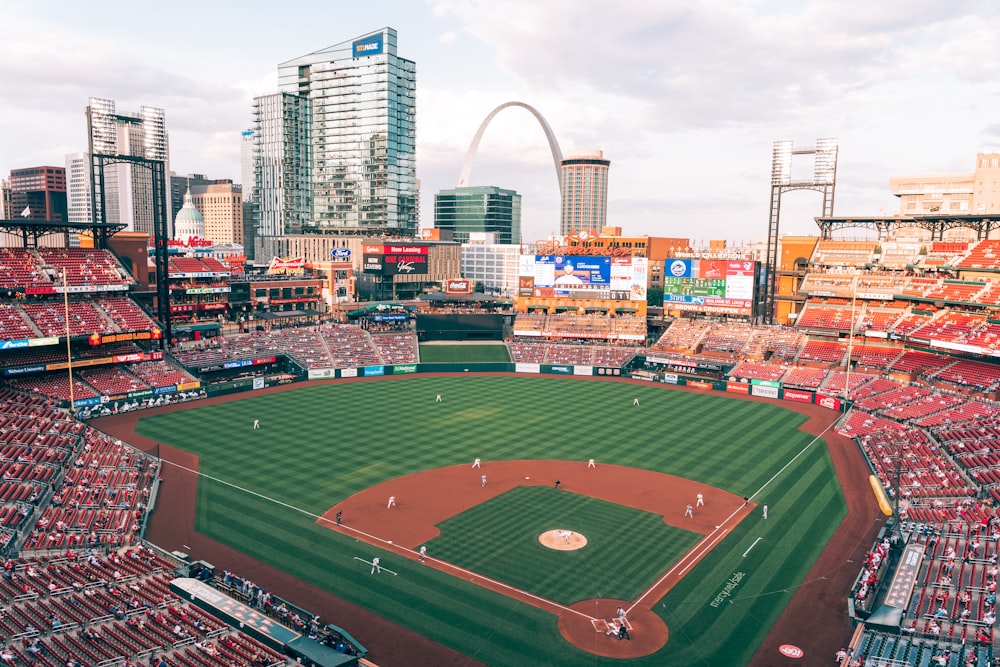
[(321, 443), (465, 353)]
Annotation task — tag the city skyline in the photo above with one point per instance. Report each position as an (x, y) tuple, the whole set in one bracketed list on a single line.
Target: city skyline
[(686, 99)]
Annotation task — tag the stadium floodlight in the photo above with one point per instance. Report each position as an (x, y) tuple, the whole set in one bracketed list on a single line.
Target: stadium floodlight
[(825, 164), (781, 163)]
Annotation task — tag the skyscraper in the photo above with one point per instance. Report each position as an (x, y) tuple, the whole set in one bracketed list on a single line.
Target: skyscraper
[(584, 192), (466, 210), (281, 164), (125, 188), (78, 187), (358, 161)]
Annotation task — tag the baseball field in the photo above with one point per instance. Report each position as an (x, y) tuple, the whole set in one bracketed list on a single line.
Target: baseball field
[(491, 588)]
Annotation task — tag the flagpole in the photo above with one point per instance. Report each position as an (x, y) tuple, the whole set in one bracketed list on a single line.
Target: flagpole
[(69, 354)]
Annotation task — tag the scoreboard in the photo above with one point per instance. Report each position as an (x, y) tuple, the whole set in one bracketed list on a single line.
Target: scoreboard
[(583, 277), (724, 287)]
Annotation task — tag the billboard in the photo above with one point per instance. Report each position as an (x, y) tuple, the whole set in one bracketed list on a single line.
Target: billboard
[(583, 277), (369, 46), (391, 260), (458, 286), (709, 285)]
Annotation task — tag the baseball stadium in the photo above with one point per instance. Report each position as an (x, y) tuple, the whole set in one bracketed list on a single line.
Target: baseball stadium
[(206, 463)]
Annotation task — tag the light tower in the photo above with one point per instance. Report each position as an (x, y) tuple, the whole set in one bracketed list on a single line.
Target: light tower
[(824, 180)]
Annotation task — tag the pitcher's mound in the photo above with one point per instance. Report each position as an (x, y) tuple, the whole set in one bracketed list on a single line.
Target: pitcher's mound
[(562, 540)]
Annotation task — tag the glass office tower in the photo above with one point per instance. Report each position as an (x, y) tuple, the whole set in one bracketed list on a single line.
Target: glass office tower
[(362, 136), (479, 209)]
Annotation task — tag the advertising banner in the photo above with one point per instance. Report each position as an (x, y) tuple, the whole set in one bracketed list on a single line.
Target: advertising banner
[(391, 260), (348, 372), (258, 383), (401, 369), (671, 378), (319, 373), (390, 317), (829, 402), (527, 368), (24, 370), (561, 370), (371, 371), (764, 391), (583, 370), (42, 342), (798, 396), (766, 383), (369, 46), (458, 286), (737, 388)]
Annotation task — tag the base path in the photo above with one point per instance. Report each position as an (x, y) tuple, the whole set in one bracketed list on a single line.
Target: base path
[(425, 499)]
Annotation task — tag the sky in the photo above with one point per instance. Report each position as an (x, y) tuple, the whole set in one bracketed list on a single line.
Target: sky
[(685, 97)]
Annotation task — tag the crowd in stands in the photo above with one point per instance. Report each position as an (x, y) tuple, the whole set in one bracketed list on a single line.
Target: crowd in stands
[(78, 587), (620, 329)]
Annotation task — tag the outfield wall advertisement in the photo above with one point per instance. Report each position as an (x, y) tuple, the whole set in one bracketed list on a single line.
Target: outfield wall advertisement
[(724, 287), (583, 277)]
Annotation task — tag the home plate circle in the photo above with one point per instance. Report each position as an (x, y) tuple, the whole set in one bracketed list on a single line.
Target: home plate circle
[(562, 540), (790, 651)]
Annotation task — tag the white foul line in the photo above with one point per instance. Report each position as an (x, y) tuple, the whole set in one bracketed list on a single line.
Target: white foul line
[(699, 549), (752, 546), (386, 544)]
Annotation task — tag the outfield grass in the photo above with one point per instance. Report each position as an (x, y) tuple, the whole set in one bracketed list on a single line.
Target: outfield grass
[(606, 567), (324, 442), (467, 353)]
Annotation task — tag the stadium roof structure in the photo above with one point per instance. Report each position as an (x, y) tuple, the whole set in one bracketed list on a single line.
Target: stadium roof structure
[(480, 297), (935, 223), (32, 230)]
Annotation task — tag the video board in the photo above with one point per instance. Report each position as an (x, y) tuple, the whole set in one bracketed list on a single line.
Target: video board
[(583, 277), (720, 286)]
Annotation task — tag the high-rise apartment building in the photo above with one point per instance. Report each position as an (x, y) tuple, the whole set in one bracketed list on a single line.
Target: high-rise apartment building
[(78, 191), (467, 210), (281, 165), (246, 162), (249, 235), (584, 192), (357, 155), (39, 193), (125, 187)]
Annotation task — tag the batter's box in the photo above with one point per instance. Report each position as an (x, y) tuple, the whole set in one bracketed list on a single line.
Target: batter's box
[(601, 625)]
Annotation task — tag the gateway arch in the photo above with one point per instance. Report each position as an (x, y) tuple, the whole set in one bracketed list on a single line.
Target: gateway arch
[(463, 179)]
